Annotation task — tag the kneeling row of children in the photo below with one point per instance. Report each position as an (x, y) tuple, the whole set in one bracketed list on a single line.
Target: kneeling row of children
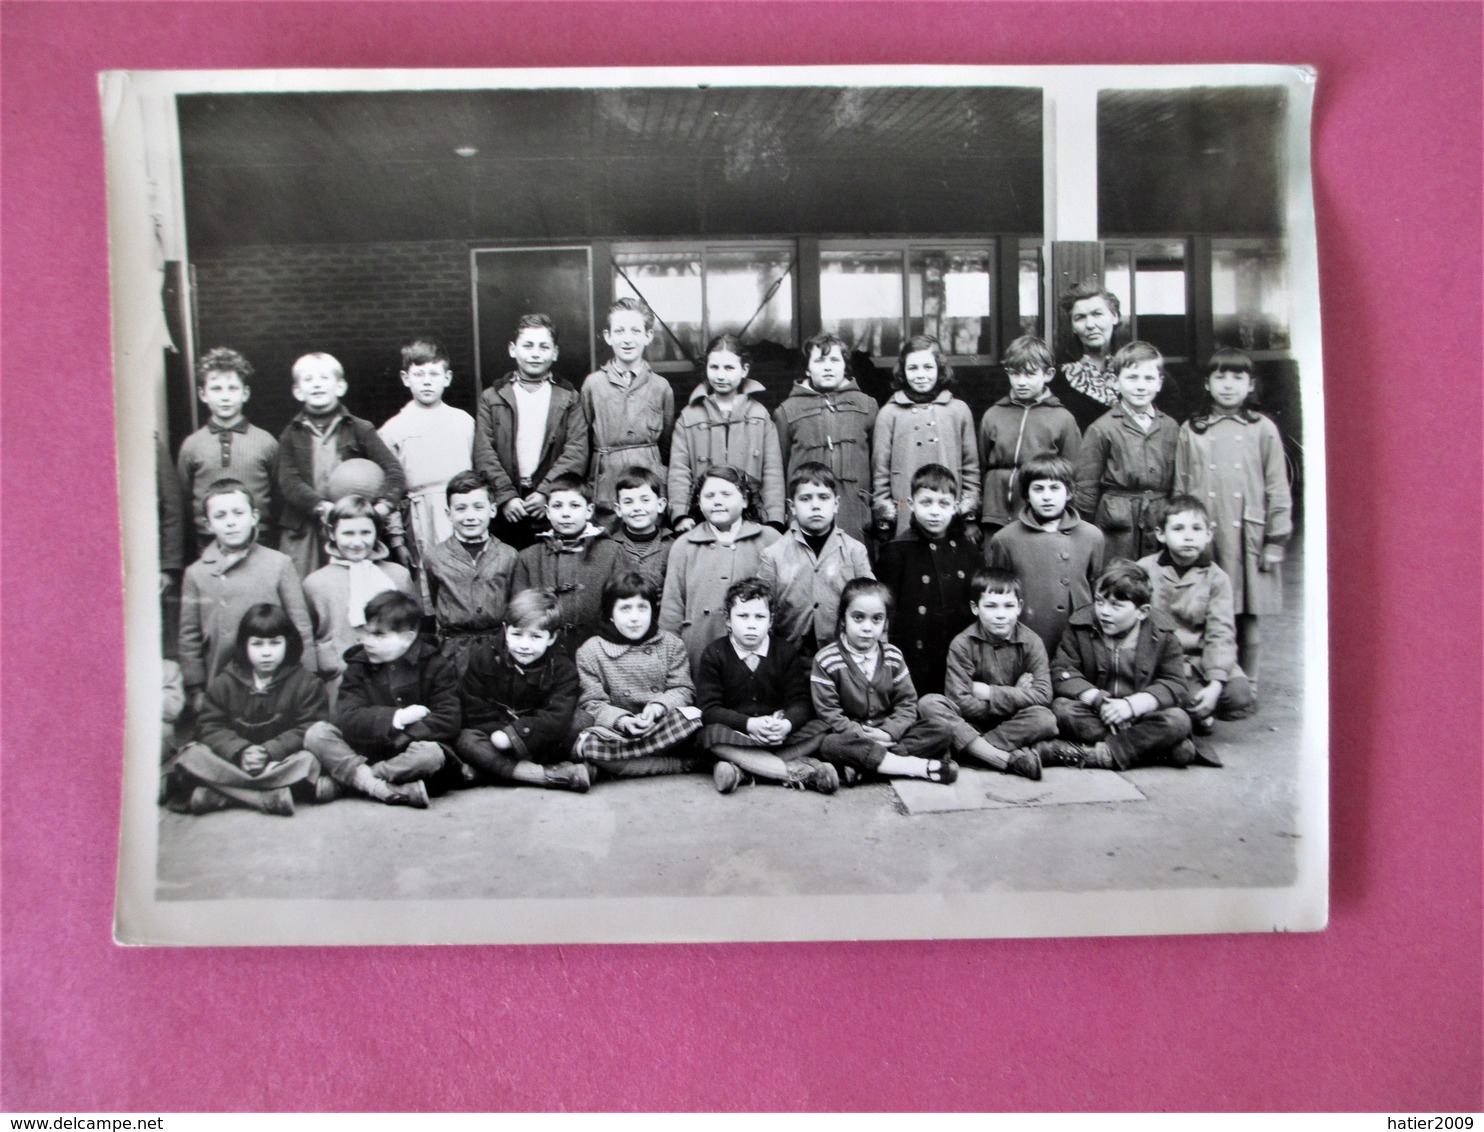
[(628, 708)]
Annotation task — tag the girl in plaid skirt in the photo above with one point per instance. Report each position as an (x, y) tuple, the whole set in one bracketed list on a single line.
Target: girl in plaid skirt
[(635, 683)]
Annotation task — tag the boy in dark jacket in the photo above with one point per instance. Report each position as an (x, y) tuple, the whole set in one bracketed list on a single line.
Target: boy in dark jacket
[(1118, 675), (397, 716), (519, 700), (928, 569), (574, 559)]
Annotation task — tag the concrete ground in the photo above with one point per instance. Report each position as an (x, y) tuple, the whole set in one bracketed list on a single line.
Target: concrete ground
[(676, 836)]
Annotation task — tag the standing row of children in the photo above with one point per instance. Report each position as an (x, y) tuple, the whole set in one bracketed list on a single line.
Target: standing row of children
[(534, 439)]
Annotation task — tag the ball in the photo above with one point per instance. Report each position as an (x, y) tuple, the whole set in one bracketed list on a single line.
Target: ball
[(357, 477)]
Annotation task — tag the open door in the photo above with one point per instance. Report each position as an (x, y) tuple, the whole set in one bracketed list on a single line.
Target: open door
[(510, 282)]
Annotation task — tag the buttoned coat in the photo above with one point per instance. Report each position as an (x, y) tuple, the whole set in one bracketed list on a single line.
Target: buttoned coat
[(469, 594), (1121, 472), (577, 576), (701, 569), (1235, 466), (746, 440), (929, 578), (623, 679), (1056, 569), (910, 435), (833, 429), (237, 714), (630, 425), (354, 439), (564, 448), (372, 694), (806, 586)]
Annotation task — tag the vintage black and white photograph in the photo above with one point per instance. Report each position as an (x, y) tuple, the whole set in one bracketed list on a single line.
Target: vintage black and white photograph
[(727, 504)]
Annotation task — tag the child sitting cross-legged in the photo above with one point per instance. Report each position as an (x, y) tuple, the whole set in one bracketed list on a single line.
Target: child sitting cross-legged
[(398, 712), (998, 683), (249, 747), (863, 693), (1118, 676), (928, 570), (1196, 594), (518, 702), (753, 692), (635, 683)]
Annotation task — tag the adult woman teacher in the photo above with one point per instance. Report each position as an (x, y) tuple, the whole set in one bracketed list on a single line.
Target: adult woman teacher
[(1092, 314)]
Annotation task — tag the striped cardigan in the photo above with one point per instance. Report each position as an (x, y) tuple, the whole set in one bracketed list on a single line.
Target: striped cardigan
[(847, 702)]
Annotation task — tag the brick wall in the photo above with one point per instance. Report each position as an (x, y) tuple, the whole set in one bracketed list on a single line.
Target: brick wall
[(358, 302)]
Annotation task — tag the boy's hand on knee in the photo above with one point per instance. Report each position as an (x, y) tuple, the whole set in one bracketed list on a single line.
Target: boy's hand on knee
[(254, 759), (500, 741), (980, 690), (876, 735)]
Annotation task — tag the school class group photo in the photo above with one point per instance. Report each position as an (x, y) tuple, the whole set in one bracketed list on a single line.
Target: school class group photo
[(579, 585)]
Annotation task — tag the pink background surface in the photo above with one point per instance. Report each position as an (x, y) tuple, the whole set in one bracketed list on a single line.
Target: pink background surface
[(1382, 1011)]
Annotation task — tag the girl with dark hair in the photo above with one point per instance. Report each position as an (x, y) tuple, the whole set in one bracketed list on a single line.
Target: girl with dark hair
[(249, 747), (636, 685)]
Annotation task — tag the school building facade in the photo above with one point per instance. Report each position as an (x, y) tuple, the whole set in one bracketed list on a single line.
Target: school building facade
[(349, 221)]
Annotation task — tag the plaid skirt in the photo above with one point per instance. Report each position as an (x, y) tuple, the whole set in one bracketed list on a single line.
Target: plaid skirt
[(603, 744)]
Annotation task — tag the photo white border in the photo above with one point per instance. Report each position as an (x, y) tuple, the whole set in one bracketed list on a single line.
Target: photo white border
[(135, 276)]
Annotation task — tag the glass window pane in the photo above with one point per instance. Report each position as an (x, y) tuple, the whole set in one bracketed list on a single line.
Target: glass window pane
[(949, 297), (751, 293), (1118, 277), (1032, 317), (670, 282), (1159, 297), (1249, 294), (860, 299)]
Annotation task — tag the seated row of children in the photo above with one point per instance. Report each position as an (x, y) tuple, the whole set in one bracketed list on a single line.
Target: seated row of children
[(398, 699), (532, 430)]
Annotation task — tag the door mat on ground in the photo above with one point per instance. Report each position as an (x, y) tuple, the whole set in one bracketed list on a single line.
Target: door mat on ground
[(987, 790)]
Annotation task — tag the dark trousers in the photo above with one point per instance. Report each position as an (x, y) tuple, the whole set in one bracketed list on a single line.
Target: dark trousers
[(1138, 743), (1236, 700), (923, 740), (424, 759), (1006, 732)]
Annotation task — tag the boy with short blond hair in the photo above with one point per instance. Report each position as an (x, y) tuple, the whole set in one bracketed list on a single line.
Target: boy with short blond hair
[(530, 430), (629, 407), (998, 683), (228, 445), (322, 437)]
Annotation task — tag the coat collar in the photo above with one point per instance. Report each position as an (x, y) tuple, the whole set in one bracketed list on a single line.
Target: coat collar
[(750, 387), (421, 649), (942, 398), (1207, 420), (1069, 518), (1018, 637), (702, 531), (505, 391), (804, 389), (641, 372), (1047, 402), (1156, 622)]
